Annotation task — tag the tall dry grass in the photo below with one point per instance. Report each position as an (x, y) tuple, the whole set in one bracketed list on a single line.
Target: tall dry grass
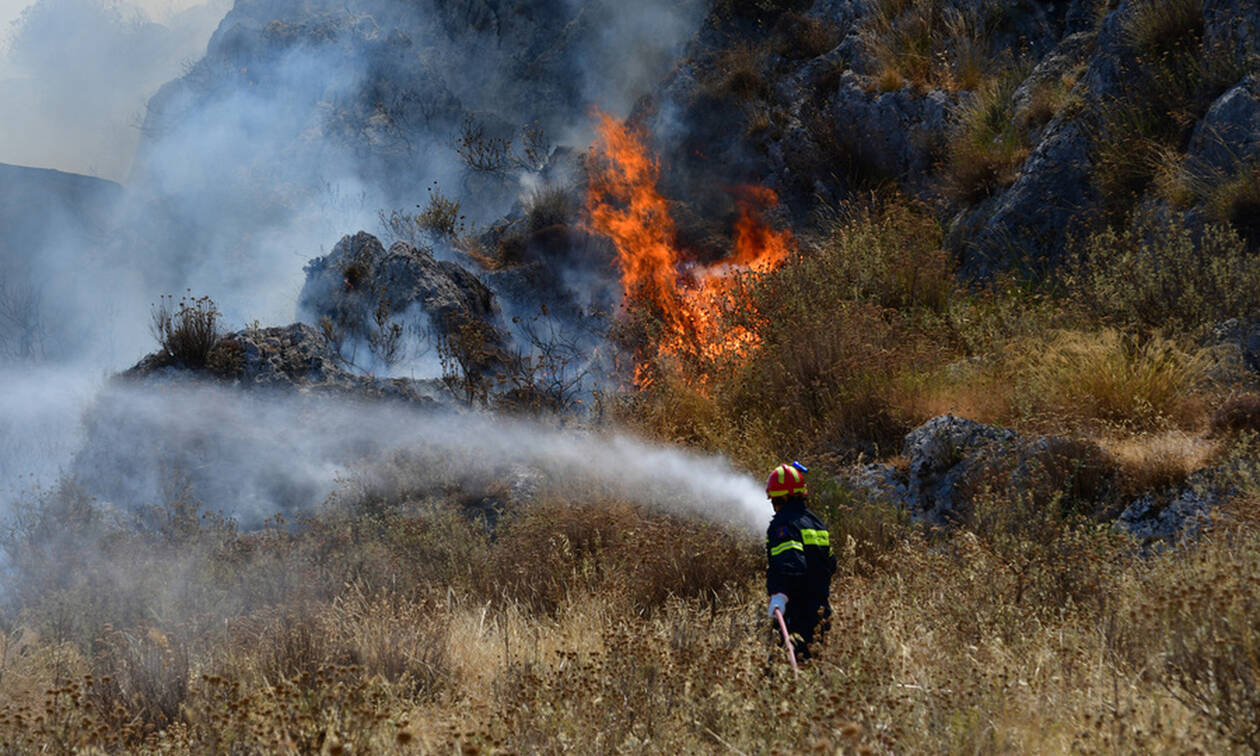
[(1027, 632)]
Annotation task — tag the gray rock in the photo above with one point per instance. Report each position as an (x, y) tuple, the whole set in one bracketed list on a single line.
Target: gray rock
[(1244, 337), (358, 276), (1183, 512), (1071, 52), (1235, 24), (293, 358), (1229, 134), (1028, 224), (942, 454), (1184, 516), (953, 460), (899, 131), (883, 483)]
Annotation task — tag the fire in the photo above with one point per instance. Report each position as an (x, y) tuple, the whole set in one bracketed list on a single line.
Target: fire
[(625, 206)]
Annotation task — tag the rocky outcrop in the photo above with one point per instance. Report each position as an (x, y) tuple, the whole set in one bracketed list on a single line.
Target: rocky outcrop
[(950, 461), (294, 358), (1229, 135), (1028, 224), (900, 131), (360, 275)]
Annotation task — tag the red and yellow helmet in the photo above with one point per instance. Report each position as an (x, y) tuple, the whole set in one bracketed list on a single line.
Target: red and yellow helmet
[(785, 480)]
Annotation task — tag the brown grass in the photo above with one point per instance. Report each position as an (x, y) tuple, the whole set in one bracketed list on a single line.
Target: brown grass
[(580, 626), (987, 149), (928, 43), (1157, 461)]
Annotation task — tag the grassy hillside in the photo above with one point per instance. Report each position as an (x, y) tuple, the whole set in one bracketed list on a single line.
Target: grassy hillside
[(590, 626), (407, 615)]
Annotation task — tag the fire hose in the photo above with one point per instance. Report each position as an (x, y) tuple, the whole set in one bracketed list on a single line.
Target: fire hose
[(787, 642)]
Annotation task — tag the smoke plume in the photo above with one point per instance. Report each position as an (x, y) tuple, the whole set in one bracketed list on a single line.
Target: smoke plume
[(253, 455)]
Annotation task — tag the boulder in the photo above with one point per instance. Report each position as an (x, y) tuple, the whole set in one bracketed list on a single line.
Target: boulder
[(1028, 225), (1184, 516), (360, 275), (1229, 135), (943, 453), (951, 460)]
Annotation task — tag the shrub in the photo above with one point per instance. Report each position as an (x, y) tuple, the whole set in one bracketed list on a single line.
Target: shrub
[(888, 254), (1161, 275), (839, 335), (1236, 201), (1200, 608), (739, 74), (480, 152), (440, 215), (140, 673), (187, 332), (1241, 414), (1046, 101), (987, 149), (1110, 377), (827, 371), (549, 205)]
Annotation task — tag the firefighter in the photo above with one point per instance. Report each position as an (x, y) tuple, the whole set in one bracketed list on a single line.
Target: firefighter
[(799, 558)]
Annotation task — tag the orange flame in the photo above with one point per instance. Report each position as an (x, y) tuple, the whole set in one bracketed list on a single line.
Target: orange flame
[(625, 206)]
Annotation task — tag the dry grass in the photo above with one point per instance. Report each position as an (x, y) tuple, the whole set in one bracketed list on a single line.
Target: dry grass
[(1237, 415), (928, 43), (740, 74), (988, 148), (623, 630), (1157, 461), (1109, 377), (801, 37)]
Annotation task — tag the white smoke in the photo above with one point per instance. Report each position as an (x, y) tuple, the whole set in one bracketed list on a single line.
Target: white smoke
[(75, 75), (255, 454)]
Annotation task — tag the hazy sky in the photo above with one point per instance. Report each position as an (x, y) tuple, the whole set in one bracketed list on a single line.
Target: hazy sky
[(75, 75)]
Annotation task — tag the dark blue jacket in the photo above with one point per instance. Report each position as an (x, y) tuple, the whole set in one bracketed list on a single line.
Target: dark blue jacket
[(799, 558)]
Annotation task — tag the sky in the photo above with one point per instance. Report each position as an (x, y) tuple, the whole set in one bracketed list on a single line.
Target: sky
[(75, 76)]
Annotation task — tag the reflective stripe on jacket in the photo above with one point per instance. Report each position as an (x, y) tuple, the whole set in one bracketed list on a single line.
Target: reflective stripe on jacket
[(799, 558)]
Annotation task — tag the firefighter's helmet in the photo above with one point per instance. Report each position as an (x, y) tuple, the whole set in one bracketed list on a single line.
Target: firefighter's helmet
[(786, 480)]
